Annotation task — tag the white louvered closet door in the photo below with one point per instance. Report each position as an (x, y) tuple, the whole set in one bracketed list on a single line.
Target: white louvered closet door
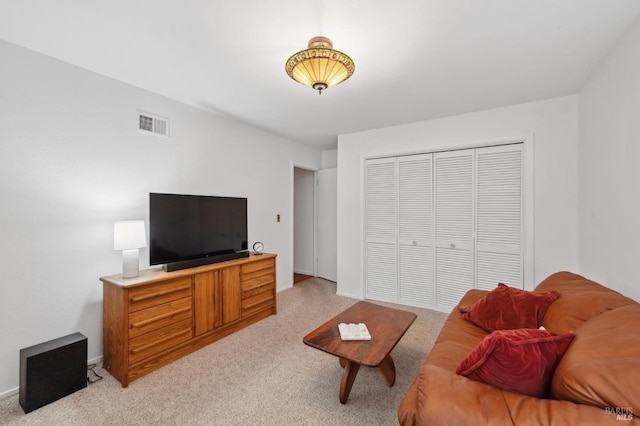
[(499, 216), (381, 230), (438, 225), (454, 226), (415, 233)]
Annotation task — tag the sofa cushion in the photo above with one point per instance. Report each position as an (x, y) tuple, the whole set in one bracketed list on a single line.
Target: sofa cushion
[(602, 366), (519, 361), (581, 299), (507, 308)]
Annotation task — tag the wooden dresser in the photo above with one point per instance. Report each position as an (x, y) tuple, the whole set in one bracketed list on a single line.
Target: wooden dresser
[(158, 317)]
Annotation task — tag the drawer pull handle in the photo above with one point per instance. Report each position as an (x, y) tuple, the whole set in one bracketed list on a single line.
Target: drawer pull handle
[(141, 348), (135, 299), (140, 324)]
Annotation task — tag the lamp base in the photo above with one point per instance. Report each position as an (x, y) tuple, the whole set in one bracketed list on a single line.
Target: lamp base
[(130, 263)]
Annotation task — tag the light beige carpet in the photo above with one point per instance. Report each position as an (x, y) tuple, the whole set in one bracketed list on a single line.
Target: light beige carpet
[(262, 375)]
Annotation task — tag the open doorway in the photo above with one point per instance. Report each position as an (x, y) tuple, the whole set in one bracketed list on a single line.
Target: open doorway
[(303, 224)]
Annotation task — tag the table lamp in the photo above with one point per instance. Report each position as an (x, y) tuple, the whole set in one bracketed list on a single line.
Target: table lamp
[(129, 236)]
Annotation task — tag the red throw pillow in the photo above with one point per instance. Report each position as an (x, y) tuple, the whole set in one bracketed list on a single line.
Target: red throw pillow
[(508, 308), (520, 361)]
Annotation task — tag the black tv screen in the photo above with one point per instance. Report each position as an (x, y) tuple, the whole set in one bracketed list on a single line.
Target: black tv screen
[(191, 227)]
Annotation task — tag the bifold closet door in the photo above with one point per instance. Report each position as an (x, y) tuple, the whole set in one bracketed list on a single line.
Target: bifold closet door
[(438, 225), (454, 225), (381, 261), (399, 230), (499, 216), (415, 231)]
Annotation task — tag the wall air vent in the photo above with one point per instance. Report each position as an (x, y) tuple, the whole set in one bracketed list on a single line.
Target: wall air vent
[(153, 124)]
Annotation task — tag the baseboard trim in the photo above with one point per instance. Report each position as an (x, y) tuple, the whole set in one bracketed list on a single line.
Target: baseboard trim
[(9, 393), (350, 296), (97, 360), (284, 288)]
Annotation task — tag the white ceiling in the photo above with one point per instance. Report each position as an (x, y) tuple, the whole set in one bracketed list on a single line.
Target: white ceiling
[(414, 59)]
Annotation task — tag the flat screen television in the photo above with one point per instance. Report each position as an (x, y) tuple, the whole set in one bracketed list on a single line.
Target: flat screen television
[(191, 230)]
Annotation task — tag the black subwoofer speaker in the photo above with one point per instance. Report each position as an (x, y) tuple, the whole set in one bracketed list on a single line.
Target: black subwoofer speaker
[(52, 370)]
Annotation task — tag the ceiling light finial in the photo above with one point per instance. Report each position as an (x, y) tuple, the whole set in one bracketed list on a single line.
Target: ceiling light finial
[(319, 66)]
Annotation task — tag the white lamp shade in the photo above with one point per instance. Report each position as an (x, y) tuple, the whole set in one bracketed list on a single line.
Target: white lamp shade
[(129, 234)]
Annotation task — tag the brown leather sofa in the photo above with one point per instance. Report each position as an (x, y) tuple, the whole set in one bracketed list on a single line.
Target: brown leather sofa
[(596, 382)]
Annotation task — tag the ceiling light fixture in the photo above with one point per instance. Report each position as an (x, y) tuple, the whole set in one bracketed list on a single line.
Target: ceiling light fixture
[(320, 66)]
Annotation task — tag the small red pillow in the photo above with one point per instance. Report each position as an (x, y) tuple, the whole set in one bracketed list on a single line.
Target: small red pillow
[(508, 308), (520, 361)]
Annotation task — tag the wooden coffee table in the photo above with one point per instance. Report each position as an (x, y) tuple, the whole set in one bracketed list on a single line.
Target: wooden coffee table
[(386, 326)]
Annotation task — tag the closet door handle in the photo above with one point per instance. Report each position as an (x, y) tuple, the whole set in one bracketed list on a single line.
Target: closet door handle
[(452, 246)]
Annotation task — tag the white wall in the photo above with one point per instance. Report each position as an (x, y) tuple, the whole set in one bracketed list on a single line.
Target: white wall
[(303, 221), (554, 125), (72, 163), (609, 248), (330, 159), (327, 223)]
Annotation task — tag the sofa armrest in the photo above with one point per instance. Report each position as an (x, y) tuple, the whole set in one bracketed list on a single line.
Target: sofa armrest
[(441, 397)]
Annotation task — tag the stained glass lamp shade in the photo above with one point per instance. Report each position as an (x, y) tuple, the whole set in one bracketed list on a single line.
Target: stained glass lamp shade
[(320, 66)]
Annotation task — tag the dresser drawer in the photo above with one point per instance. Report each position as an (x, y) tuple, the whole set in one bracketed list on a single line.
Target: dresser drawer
[(257, 303), (258, 269), (156, 294), (257, 285), (155, 317), (157, 341)]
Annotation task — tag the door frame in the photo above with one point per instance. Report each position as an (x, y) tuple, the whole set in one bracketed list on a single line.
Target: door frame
[(315, 216)]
